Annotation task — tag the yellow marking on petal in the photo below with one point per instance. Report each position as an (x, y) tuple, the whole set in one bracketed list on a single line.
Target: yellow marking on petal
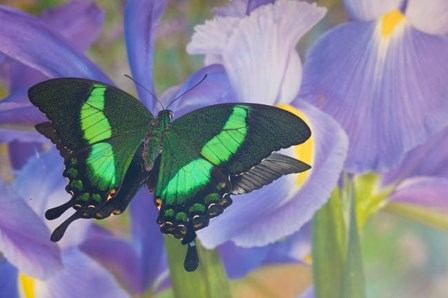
[(305, 151), (390, 21), (26, 286), (308, 259)]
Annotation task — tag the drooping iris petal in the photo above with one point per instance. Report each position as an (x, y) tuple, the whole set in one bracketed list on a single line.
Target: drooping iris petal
[(429, 159), (82, 277), (268, 35), (79, 22), (385, 82), (24, 239), (284, 206), (426, 192), (8, 280), (41, 181), (428, 17), (27, 40), (369, 10), (140, 21)]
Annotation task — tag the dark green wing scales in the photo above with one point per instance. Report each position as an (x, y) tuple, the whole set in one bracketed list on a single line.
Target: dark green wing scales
[(98, 129), (220, 150)]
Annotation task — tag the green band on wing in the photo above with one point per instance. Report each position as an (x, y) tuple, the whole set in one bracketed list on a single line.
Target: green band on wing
[(221, 147), (94, 123), (96, 128), (187, 180), (101, 163)]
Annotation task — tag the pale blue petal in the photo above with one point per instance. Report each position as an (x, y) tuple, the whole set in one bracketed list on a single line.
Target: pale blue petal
[(281, 208), (140, 21), (8, 280), (27, 40), (273, 72), (389, 93), (24, 238), (430, 17), (368, 10), (82, 277), (426, 192)]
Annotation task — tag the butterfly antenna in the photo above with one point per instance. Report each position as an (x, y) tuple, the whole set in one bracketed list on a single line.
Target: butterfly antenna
[(205, 76), (155, 97)]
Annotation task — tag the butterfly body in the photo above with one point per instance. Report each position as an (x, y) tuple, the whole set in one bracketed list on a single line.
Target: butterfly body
[(112, 145)]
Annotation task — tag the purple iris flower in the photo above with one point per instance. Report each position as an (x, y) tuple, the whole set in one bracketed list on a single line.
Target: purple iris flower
[(382, 76)]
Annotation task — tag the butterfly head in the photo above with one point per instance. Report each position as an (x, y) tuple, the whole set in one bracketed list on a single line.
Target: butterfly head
[(166, 114)]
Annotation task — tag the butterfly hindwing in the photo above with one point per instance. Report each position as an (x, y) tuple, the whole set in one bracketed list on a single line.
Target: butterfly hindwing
[(98, 130)]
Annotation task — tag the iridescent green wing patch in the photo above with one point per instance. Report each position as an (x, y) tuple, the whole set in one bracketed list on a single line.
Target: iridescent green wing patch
[(98, 130)]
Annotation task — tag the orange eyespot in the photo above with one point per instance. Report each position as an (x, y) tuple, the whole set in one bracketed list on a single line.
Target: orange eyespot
[(111, 194), (158, 203)]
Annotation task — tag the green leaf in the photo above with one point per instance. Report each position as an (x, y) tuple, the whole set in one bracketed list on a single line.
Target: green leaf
[(354, 284), (424, 215), (337, 260), (329, 246), (208, 281)]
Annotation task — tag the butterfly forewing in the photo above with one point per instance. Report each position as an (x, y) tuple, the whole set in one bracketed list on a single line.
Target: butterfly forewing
[(98, 129)]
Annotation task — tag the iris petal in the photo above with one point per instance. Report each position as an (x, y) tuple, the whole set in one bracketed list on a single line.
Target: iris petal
[(8, 280), (368, 10), (27, 40), (25, 239), (79, 22), (388, 91), (140, 20), (81, 277), (262, 36), (432, 19), (428, 159), (426, 192), (41, 179)]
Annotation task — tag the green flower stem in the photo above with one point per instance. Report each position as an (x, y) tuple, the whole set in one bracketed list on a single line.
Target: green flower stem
[(208, 281), (337, 263)]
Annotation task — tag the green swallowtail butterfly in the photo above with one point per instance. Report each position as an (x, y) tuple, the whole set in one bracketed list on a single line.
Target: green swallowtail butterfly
[(112, 145)]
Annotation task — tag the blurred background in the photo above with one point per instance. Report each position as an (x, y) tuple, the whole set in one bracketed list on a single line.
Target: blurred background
[(402, 257)]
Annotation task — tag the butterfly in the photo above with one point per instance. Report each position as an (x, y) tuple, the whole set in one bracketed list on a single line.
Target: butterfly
[(112, 145)]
